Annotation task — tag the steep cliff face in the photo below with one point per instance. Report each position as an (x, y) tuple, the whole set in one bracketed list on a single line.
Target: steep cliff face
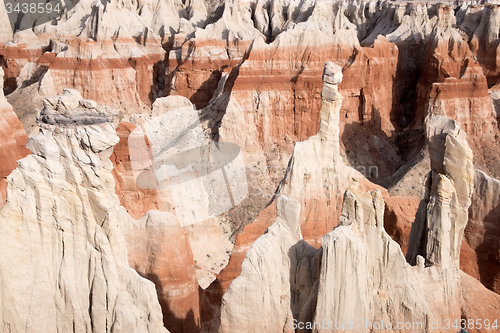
[(360, 258), (483, 231), (479, 246), (363, 260), (399, 214), (167, 163), (453, 84), (189, 76), (443, 212), (135, 199), (415, 59), (274, 52), (116, 64), (316, 178), (66, 267), (159, 250), (13, 142), (433, 247)]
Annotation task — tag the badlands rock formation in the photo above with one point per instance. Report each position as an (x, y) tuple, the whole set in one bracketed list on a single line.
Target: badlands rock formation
[(159, 250), (198, 74), (13, 146), (135, 199), (274, 53), (317, 176), (399, 214), (277, 278), (64, 264), (479, 247), (443, 211), (363, 277), (481, 233)]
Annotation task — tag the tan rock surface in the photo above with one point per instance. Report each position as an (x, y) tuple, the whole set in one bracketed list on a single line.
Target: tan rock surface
[(483, 232), (254, 67), (364, 277), (448, 192), (474, 293), (317, 176), (441, 219), (167, 157), (360, 259)]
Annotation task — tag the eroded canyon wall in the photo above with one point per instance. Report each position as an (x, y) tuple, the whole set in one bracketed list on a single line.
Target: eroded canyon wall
[(251, 73)]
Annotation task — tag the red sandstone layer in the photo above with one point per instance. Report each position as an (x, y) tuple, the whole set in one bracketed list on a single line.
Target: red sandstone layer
[(13, 141)]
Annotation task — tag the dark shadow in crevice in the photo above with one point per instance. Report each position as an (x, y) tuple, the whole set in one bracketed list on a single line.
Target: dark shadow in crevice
[(210, 305), (215, 111), (204, 93), (157, 89), (375, 162), (305, 265), (170, 321), (9, 83)]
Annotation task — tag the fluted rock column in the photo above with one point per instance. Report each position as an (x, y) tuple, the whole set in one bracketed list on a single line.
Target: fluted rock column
[(317, 176), (440, 222), (329, 131), (278, 279), (437, 232)]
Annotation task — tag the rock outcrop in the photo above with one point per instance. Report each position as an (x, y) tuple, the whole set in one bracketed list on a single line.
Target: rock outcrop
[(187, 77), (364, 275), (443, 212), (275, 51), (479, 246), (399, 214), (65, 265), (316, 177), (13, 141), (193, 178), (482, 233), (453, 84), (278, 278)]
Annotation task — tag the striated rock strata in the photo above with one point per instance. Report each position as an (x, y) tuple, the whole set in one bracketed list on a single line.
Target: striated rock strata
[(482, 233), (135, 199), (316, 178)]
